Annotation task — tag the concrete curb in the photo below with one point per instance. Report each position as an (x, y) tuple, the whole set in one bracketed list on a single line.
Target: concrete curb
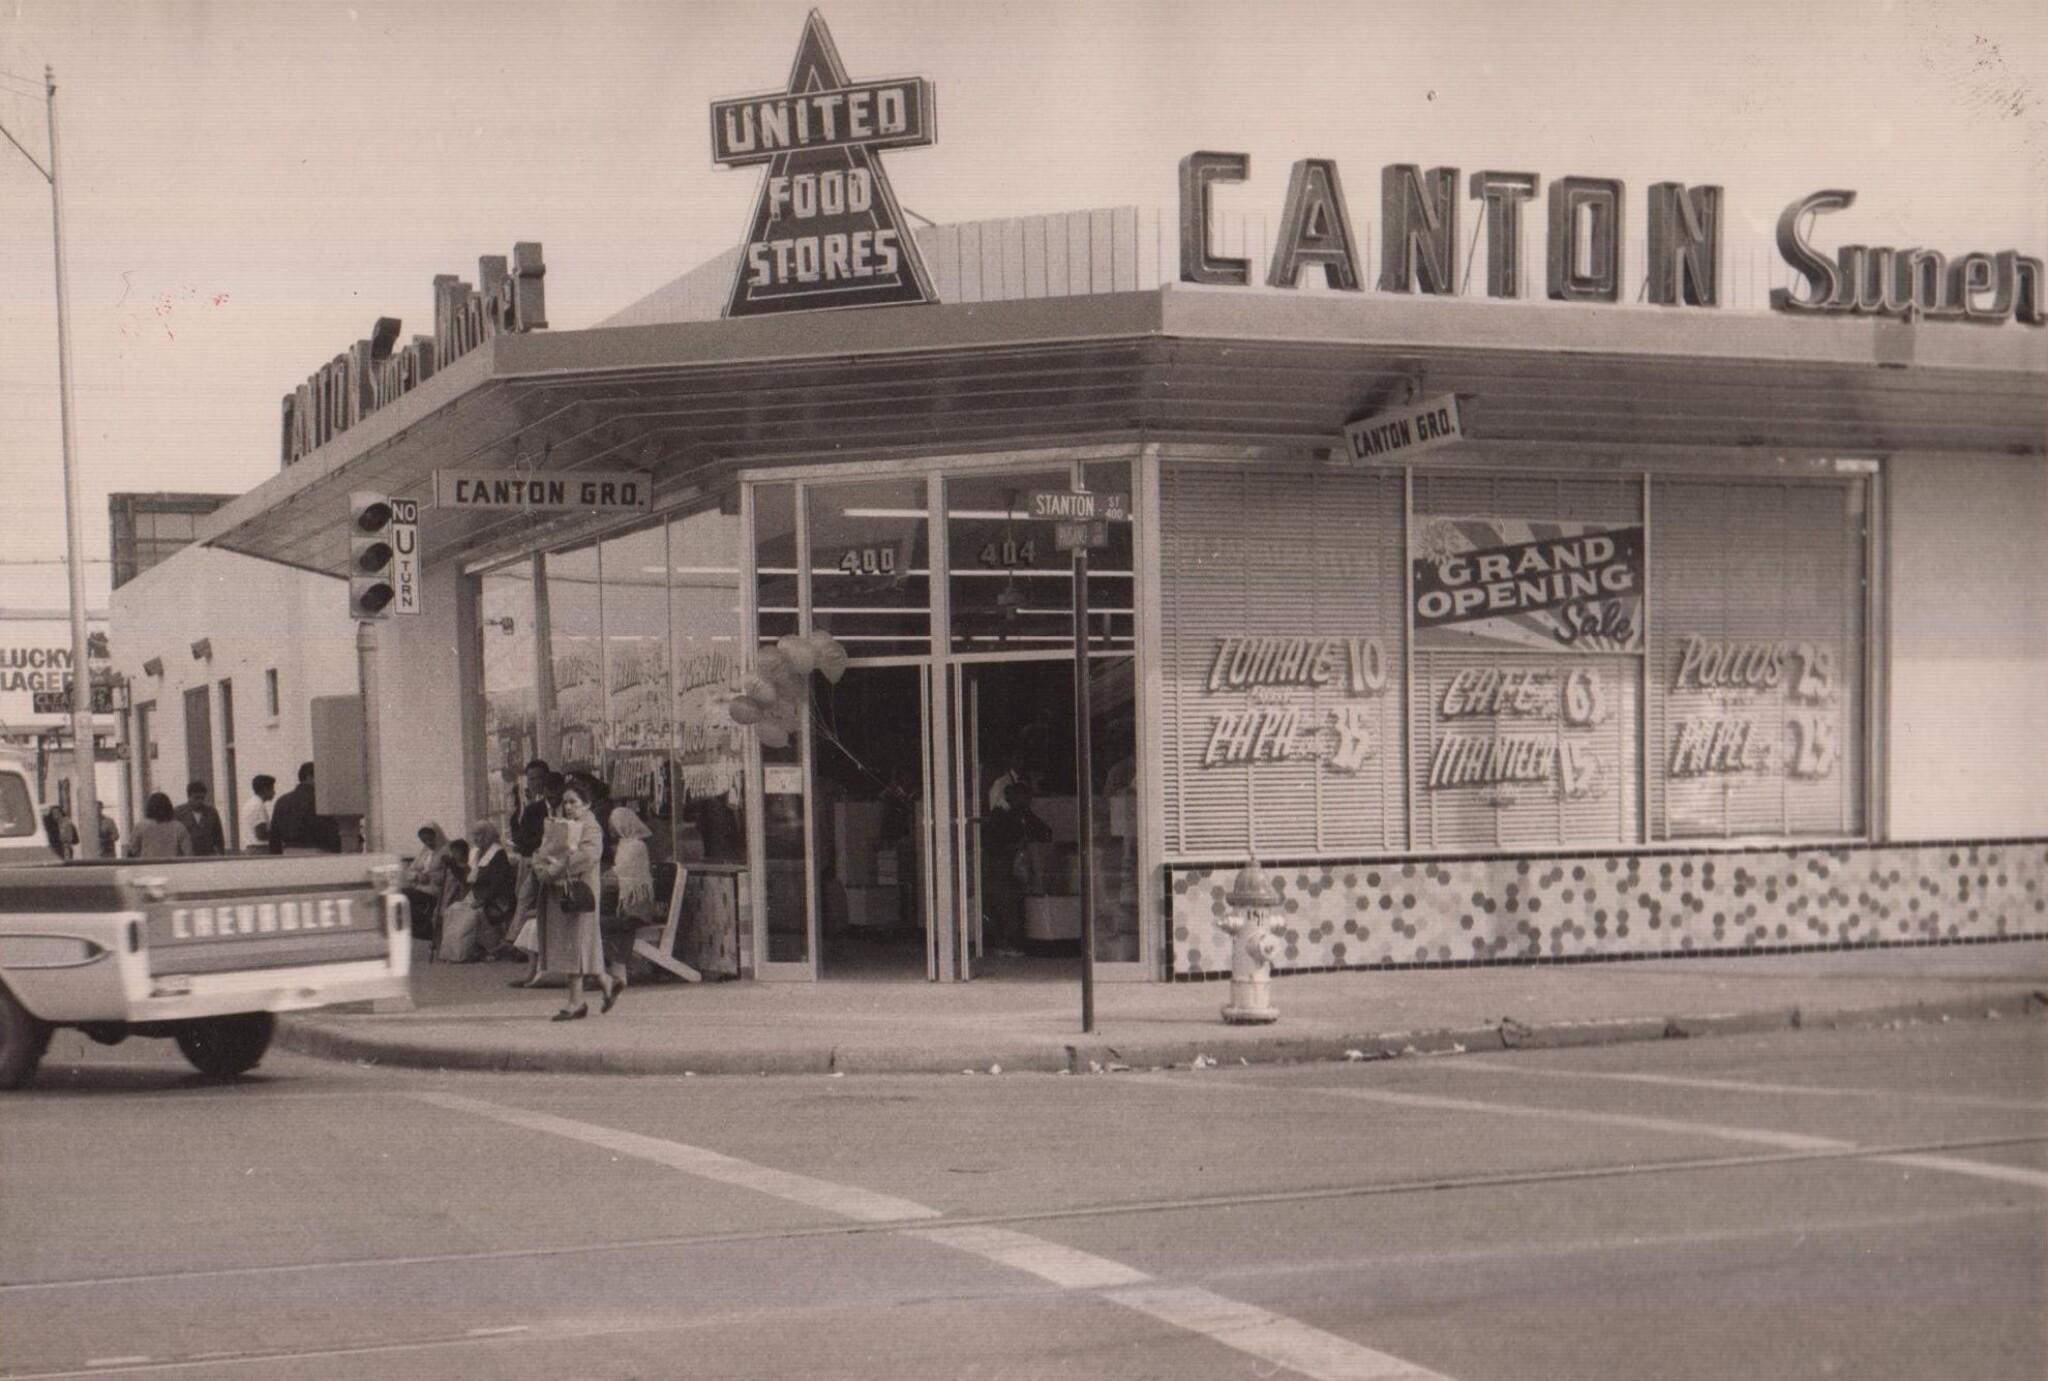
[(332, 1039)]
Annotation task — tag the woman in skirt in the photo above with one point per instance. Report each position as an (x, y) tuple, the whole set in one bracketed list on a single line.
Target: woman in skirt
[(570, 940)]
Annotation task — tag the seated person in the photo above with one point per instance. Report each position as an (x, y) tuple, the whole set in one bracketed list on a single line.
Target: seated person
[(425, 877), (494, 886)]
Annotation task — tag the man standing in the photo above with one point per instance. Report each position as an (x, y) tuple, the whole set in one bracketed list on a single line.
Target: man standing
[(201, 821), (256, 814), (529, 828), (1006, 839), (109, 832), (294, 824)]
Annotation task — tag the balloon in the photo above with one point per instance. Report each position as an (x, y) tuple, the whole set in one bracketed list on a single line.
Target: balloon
[(831, 659), (772, 664), (785, 712), (773, 735), (758, 689), (744, 709), (799, 652)]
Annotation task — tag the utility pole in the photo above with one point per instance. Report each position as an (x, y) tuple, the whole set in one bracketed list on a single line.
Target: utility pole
[(84, 791)]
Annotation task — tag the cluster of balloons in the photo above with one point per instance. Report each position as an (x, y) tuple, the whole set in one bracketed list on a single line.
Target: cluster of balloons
[(774, 697)]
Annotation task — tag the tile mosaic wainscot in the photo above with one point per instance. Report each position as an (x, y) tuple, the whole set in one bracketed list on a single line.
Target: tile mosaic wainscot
[(1411, 912)]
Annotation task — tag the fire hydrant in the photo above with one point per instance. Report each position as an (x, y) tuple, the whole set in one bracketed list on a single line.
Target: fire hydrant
[(1253, 947)]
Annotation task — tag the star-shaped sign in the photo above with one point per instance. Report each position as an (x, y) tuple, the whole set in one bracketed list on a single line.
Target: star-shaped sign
[(827, 231)]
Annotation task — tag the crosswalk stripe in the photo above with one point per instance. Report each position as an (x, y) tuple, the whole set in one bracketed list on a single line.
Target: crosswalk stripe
[(1259, 1333), (844, 1200), (1754, 1136)]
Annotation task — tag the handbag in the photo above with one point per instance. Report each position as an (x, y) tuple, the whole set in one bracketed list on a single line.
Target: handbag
[(575, 896)]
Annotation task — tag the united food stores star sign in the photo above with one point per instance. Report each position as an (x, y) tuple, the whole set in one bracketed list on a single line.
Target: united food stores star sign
[(827, 231)]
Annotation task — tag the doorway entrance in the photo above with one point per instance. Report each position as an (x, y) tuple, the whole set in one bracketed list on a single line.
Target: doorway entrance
[(1019, 811), (930, 816), (1009, 807), (868, 772)]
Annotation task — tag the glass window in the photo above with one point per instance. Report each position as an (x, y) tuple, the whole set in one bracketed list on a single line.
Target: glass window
[(568, 604), (1112, 604), (1010, 590), (510, 704), (775, 568), (709, 788), (1528, 636), (1282, 647), (638, 734), (1756, 716), (870, 566), (17, 811)]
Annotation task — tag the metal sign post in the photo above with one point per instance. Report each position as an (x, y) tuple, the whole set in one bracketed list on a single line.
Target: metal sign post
[(1084, 773), (1081, 520)]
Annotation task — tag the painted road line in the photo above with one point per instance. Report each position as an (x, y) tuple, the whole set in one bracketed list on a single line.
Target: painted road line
[(1476, 1066), (1269, 1337), (844, 1200), (1752, 1136), (1063, 1266), (2014, 1174)]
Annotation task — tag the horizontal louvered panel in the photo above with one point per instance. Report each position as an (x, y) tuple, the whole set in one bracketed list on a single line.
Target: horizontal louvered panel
[(1528, 811), (1770, 572), (1295, 555)]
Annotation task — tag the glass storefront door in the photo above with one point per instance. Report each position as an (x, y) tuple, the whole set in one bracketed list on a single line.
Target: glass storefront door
[(1018, 813), (928, 815)]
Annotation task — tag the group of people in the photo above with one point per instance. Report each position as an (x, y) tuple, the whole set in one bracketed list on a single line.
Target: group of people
[(269, 824), (566, 888)]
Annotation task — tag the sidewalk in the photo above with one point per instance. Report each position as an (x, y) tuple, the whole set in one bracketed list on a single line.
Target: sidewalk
[(1028, 1016)]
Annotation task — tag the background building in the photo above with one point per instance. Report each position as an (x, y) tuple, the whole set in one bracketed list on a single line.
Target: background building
[(223, 656)]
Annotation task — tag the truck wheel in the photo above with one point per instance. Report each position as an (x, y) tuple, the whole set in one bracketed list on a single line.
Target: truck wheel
[(227, 1046), (23, 1040)]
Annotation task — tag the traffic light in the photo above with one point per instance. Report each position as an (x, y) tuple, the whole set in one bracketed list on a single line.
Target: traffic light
[(371, 557)]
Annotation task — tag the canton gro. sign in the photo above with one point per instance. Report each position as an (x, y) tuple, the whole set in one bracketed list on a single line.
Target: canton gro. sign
[(827, 231)]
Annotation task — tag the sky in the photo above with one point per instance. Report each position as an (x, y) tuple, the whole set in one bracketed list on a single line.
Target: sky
[(248, 184)]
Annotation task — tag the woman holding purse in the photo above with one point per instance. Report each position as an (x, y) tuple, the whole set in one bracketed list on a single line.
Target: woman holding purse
[(570, 942)]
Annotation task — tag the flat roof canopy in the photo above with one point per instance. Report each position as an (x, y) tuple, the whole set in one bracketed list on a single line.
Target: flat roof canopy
[(692, 402)]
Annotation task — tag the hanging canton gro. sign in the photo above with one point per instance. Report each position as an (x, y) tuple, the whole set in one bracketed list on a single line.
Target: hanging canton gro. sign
[(827, 231)]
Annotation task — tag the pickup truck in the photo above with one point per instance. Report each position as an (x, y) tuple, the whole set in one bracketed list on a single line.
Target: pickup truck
[(205, 951)]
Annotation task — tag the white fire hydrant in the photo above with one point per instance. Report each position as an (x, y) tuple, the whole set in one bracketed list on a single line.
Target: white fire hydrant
[(1253, 947)]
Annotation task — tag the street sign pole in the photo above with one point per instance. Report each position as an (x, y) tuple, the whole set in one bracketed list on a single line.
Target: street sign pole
[(1084, 774), (1081, 520)]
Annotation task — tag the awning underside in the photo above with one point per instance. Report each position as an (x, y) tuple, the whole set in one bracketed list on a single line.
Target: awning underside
[(693, 421)]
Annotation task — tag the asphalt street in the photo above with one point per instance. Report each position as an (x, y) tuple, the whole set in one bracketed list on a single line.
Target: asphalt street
[(1867, 1203)]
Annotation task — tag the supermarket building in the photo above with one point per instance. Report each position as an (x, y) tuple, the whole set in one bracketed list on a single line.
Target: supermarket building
[(1531, 622)]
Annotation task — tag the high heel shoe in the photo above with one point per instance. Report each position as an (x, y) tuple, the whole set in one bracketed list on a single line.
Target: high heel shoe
[(611, 997), (576, 1013)]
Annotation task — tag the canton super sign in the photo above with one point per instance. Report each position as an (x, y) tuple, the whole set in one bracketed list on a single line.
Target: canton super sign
[(827, 231)]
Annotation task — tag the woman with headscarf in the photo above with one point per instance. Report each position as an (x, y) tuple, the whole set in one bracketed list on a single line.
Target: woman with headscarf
[(493, 886), (633, 871), (425, 877)]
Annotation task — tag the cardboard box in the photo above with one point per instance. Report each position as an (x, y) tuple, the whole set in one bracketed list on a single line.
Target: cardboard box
[(1052, 918), (856, 826), (872, 908)]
